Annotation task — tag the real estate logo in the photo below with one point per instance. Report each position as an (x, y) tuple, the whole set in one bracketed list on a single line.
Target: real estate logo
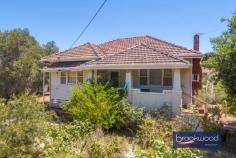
[(196, 139)]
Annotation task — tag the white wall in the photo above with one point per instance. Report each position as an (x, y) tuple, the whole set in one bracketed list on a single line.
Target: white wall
[(151, 100), (186, 84), (58, 90)]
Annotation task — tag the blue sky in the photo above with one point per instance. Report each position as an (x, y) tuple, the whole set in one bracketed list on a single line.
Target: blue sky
[(62, 20)]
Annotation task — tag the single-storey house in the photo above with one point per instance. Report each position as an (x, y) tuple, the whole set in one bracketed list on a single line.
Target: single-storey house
[(155, 72)]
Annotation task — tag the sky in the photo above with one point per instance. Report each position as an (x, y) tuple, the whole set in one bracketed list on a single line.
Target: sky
[(170, 20)]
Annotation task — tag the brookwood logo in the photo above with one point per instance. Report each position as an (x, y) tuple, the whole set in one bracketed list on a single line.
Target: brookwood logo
[(196, 139)]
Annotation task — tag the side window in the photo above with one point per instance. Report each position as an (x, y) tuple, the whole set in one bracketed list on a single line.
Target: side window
[(196, 77), (167, 79), (63, 78), (143, 77), (80, 77)]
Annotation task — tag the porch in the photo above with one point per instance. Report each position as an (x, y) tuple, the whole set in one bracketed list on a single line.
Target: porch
[(149, 88)]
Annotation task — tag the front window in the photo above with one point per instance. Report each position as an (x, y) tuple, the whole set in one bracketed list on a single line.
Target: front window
[(71, 78), (167, 79), (155, 76), (80, 76), (63, 78), (143, 77)]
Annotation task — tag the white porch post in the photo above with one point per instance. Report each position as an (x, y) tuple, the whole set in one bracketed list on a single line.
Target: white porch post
[(128, 80), (43, 84), (177, 80)]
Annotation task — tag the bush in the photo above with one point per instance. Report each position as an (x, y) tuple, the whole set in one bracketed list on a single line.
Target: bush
[(211, 120), (64, 140), (22, 123), (154, 138), (99, 104)]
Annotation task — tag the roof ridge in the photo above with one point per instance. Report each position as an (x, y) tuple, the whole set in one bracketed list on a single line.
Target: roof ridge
[(93, 49), (175, 45)]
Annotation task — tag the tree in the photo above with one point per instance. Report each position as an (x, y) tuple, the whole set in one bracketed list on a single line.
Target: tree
[(224, 60), (50, 47), (20, 68)]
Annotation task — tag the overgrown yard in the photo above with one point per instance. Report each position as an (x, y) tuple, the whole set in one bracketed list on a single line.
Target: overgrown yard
[(101, 124)]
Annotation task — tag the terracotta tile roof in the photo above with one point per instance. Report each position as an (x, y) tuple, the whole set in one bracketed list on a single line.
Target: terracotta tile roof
[(164, 51), (86, 51), (121, 44), (140, 54)]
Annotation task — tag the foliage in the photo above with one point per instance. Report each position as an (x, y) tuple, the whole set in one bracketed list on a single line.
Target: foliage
[(99, 104), (211, 120), (154, 138), (22, 123), (20, 68), (50, 47), (224, 60)]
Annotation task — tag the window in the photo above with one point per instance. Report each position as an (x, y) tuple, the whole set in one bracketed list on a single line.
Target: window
[(196, 77), (155, 76), (63, 77), (167, 79), (71, 78), (80, 76), (143, 77)]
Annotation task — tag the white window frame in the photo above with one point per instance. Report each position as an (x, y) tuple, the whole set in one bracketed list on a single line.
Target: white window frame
[(193, 77), (148, 78)]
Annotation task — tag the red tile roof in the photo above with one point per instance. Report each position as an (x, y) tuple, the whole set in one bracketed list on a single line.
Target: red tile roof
[(140, 54), (142, 49), (86, 51)]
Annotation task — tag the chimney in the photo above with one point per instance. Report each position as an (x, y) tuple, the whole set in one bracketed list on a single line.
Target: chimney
[(196, 42)]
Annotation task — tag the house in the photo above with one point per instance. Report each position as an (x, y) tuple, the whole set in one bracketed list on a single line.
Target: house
[(155, 72)]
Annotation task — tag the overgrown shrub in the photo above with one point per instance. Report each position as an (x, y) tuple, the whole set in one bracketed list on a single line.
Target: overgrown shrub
[(211, 120), (99, 104), (22, 123), (154, 138)]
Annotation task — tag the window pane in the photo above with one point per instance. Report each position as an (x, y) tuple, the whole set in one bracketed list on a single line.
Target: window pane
[(143, 72), (155, 77), (72, 77), (143, 77), (167, 77), (63, 78), (143, 80), (80, 76)]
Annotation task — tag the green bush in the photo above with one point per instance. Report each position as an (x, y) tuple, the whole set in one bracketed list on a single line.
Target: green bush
[(22, 123), (99, 104)]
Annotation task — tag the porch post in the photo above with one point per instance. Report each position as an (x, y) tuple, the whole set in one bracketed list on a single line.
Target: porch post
[(43, 84), (177, 80), (128, 79)]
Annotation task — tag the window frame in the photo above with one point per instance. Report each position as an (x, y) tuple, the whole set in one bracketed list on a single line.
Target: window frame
[(75, 78), (164, 77), (161, 77), (63, 77), (144, 76), (198, 77), (78, 77)]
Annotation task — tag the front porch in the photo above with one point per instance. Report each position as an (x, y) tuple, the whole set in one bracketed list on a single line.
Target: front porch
[(149, 88)]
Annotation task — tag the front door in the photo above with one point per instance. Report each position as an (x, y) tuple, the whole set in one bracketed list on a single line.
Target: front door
[(115, 78)]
